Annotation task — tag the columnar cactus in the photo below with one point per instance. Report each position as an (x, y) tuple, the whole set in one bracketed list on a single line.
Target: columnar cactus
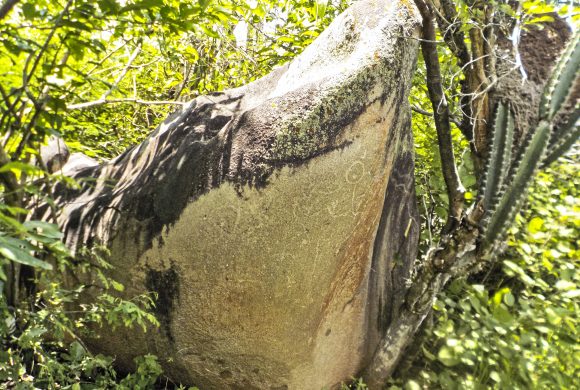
[(500, 155), (506, 181)]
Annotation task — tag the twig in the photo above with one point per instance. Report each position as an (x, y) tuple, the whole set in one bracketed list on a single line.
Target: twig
[(123, 73), (99, 102), (187, 67), (270, 38), (26, 75), (421, 111), (451, 28), (452, 119), (428, 220), (515, 38), (105, 58)]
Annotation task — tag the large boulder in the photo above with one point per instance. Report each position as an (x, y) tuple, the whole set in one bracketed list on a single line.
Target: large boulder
[(276, 221)]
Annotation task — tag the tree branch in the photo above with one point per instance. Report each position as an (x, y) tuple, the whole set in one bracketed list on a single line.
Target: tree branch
[(419, 110), (451, 29), (99, 102), (9, 181), (455, 190), (457, 253), (478, 67), (478, 81), (123, 73)]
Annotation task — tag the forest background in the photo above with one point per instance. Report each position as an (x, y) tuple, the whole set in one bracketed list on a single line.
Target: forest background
[(103, 74)]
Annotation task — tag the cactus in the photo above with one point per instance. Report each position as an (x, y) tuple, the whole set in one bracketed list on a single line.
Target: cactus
[(514, 193), (499, 154), (503, 193), (562, 79), (563, 138)]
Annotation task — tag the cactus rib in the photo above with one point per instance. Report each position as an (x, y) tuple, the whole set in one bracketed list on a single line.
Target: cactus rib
[(569, 136), (499, 155), (509, 202), (560, 84)]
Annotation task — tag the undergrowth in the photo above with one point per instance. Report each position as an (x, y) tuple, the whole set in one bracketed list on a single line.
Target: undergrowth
[(514, 326)]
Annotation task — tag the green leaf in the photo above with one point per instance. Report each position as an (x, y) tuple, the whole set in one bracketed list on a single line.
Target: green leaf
[(428, 354), (204, 4), (143, 4), (571, 294), (509, 299), (77, 25), (259, 11), (553, 317), (412, 385), (77, 351), (28, 10), (535, 225), (495, 376), (565, 285), (13, 210), (18, 167), (209, 31), (447, 357), (12, 223), (320, 8), (501, 314), (11, 249), (109, 6), (45, 229), (516, 269)]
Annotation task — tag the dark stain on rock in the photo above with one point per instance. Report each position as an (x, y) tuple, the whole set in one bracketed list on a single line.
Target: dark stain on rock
[(165, 284), (394, 248), (226, 374)]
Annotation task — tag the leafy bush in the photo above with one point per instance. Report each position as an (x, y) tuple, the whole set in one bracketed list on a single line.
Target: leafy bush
[(42, 336)]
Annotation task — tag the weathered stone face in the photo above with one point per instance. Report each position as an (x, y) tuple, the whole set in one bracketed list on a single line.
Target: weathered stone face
[(276, 221)]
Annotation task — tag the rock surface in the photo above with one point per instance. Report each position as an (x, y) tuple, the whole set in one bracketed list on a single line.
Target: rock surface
[(55, 154), (276, 221)]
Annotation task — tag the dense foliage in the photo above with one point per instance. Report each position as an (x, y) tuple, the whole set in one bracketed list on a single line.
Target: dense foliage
[(102, 74), (515, 326)]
